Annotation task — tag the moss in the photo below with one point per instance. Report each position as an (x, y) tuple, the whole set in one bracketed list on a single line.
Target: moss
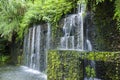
[(4, 60), (74, 65), (64, 66)]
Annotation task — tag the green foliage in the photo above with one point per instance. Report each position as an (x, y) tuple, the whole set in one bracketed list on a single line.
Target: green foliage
[(90, 71), (101, 56), (10, 17), (19, 59), (117, 13), (98, 1), (64, 65), (51, 11), (17, 16), (68, 65), (106, 28), (94, 4), (81, 1), (3, 44), (4, 59)]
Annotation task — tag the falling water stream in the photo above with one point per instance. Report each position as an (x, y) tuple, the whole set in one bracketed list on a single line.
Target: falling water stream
[(36, 44), (73, 38)]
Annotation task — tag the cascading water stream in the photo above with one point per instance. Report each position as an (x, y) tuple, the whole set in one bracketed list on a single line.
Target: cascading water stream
[(73, 38), (80, 27), (32, 47), (89, 48), (36, 44), (38, 37), (32, 56), (48, 39), (48, 36), (89, 45), (67, 41)]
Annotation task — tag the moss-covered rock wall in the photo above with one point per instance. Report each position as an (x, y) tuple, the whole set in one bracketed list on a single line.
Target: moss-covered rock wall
[(64, 65), (107, 36), (75, 65)]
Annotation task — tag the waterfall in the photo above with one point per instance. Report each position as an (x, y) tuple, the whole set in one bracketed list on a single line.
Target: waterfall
[(48, 36), (32, 56), (89, 48), (38, 40), (67, 41), (89, 45), (73, 38), (36, 44), (28, 50), (32, 41), (48, 39), (80, 27)]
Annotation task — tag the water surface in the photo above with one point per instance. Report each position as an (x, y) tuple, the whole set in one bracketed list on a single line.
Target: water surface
[(20, 73)]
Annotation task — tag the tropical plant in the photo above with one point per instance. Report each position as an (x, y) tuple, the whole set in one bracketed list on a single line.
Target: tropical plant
[(117, 13), (10, 17)]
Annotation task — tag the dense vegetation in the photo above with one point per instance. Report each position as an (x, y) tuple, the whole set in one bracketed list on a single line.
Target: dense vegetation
[(16, 16), (63, 64), (105, 17)]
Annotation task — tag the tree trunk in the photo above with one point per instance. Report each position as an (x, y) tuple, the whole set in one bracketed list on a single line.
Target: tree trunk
[(14, 50)]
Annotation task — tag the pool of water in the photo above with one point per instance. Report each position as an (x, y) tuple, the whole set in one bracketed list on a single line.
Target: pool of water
[(20, 73)]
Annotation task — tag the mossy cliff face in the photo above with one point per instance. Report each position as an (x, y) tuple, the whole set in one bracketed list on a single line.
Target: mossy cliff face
[(107, 36), (64, 65), (74, 65)]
